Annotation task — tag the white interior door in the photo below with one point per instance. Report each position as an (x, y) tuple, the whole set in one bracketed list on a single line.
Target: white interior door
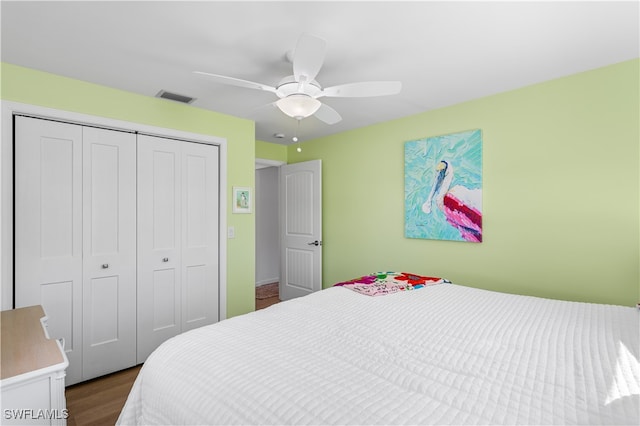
[(200, 218), (109, 251), (159, 242), (48, 228), (301, 228)]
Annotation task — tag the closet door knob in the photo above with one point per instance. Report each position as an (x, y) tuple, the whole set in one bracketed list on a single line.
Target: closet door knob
[(105, 266), (165, 259)]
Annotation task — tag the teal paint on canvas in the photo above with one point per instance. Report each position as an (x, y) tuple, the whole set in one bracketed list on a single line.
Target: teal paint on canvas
[(443, 187)]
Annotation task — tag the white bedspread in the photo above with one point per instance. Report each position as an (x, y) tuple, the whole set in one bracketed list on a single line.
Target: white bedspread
[(445, 354)]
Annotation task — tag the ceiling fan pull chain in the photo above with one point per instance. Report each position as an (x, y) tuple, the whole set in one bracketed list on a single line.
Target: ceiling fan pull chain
[(295, 138)]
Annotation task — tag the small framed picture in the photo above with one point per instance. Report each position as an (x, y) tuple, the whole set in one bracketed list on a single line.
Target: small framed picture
[(242, 200)]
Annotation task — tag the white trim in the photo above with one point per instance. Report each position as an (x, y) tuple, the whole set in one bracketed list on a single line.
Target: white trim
[(267, 281), (262, 163), (9, 109), (222, 233)]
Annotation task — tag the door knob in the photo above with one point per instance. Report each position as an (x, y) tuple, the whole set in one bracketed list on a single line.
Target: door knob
[(105, 266), (165, 259), (315, 243)]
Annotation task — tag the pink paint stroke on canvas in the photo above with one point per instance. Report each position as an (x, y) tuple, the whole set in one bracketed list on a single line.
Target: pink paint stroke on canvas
[(460, 205)]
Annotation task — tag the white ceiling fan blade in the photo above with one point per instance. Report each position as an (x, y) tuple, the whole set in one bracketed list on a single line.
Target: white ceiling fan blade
[(363, 89), (327, 114), (236, 82), (264, 108), (308, 57)]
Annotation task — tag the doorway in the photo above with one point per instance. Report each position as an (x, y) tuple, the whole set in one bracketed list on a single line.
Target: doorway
[(267, 223), (288, 218)]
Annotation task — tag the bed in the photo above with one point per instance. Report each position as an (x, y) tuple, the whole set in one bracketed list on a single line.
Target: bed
[(441, 354)]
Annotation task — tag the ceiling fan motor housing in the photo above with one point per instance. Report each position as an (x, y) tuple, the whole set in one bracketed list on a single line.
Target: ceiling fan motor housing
[(289, 86)]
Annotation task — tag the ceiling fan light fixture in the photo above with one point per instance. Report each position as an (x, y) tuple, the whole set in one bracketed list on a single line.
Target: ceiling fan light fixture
[(298, 105)]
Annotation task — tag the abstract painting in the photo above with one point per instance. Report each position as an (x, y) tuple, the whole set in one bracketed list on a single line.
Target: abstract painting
[(443, 187)]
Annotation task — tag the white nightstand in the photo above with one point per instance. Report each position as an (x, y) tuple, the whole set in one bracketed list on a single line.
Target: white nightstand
[(33, 370)]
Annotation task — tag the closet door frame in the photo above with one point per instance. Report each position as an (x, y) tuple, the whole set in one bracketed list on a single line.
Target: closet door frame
[(11, 109)]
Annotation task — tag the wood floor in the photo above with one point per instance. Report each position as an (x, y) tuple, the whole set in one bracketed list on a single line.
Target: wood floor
[(264, 303), (99, 401)]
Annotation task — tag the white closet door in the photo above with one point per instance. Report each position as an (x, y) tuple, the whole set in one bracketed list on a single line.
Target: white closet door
[(48, 229), (200, 216), (109, 251), (159, 241)]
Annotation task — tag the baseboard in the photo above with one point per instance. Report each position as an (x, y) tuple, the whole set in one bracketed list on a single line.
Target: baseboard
[(267, 281)]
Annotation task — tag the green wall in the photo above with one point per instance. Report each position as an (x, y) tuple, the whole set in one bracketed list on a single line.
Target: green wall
[(561, 191), (38, 88), (271, 151), (561, 184)]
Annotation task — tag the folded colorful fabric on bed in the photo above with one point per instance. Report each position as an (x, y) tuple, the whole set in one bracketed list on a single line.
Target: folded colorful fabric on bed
[(381, 283)]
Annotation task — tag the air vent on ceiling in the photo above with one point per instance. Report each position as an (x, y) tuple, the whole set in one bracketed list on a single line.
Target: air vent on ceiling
[(175, 97)]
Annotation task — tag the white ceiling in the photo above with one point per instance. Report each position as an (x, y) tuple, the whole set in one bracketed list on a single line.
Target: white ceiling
[(443, 52)]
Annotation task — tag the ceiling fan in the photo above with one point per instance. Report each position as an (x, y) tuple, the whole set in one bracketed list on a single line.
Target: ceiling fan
[(299, 93)]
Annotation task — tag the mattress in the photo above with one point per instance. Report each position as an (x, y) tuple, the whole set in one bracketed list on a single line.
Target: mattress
[(443, 354)]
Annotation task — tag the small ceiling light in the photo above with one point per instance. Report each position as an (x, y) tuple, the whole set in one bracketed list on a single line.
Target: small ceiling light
[(298, 105)]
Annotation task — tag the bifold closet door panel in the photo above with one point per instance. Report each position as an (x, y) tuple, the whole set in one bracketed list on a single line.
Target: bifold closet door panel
[(159, 240), (200, 218), (48, 228), (117, 236), (109, 251)]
